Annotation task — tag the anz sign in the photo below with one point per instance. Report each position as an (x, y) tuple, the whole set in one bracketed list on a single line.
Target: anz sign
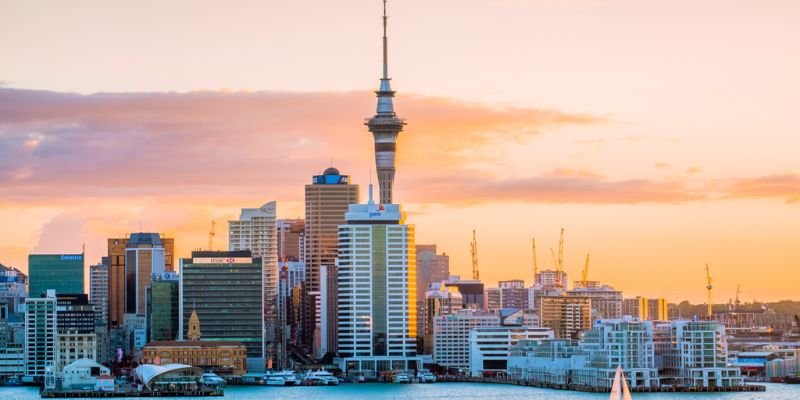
[(331, 179)]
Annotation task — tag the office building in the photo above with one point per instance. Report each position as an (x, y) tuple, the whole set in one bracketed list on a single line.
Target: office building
[(472, 292), (432, 268), (566, 316), (606, 302), (75, 329), (131, 262), (163, 307), (13, 289), (489, 347), (226, 290), (440, 300), (326, 199), (451, 336), (646, 309), (98, 290), (377, 286), (60, 272), (291, 240), (40, 335), (255, 230)]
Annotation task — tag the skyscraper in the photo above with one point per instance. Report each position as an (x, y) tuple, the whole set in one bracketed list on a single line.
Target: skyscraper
[(98, 290), (291, 239), (60, 272), (226, 290), (145, 255), (377, 286), (385, 125), (120, 274), (327, 199), (255, 230)]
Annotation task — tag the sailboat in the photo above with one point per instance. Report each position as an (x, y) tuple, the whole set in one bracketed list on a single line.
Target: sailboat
[(619, 389)]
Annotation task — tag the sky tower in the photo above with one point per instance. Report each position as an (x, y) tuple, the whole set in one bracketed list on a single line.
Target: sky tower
[(385, 126)]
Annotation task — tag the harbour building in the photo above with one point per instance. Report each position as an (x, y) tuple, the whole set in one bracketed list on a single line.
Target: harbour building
[(327, 199), (60, 272), (377, 290), (490, 347), (226, 290)]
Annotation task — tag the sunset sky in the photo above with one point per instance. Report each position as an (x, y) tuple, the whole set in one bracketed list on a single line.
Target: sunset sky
[(660, 135)]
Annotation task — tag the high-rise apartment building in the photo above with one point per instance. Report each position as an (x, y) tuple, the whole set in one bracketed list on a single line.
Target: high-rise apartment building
[(508, 294), (646, 309), (98, 290), (226, 290), (128, 278), (566, 316), (377, 285), (431, 268), (256, 231), (621, 342), (60, 272), (606, 301), (551, 279), (326, 202)]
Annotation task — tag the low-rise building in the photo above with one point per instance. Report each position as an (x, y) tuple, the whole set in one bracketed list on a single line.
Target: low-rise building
[(84, 374), (489, 347), (222, 358)]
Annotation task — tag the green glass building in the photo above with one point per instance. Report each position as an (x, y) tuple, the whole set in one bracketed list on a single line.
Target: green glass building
[(163, 307), (61, 272)]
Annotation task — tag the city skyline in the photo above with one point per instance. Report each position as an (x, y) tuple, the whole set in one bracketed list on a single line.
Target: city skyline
[(652, 192)]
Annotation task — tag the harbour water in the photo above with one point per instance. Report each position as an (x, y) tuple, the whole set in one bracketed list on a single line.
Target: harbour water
[(441, 391)]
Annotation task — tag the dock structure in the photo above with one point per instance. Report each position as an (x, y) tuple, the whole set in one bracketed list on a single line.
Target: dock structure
[(69, 394), (591, 389)]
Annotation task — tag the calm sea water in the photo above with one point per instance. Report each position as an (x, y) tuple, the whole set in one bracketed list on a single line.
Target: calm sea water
[(441, 391)]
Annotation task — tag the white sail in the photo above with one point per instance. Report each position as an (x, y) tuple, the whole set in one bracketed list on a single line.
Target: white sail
[(616, 393), (626, 393)]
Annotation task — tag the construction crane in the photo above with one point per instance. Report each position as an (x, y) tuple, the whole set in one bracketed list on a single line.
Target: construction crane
[(211, 235), (560, 265), (585, 273), (708, 286), (535, 267), (474, 247)]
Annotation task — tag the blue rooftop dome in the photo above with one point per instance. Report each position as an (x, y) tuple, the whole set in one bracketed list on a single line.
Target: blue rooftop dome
[(331, 171)]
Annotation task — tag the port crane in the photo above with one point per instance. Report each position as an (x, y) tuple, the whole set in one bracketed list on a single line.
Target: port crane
[(474, 248), (535, 267), (708, 286), (560, 265), (585, 273), (211, 235)]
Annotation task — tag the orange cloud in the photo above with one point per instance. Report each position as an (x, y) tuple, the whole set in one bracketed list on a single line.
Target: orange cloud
[(785, 186)]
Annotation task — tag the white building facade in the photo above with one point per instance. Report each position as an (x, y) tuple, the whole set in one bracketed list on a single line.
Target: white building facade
[(490, 347), (377, 287)]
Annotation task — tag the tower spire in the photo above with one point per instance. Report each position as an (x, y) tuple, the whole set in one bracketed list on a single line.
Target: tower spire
[(385, 44), (385, 125)]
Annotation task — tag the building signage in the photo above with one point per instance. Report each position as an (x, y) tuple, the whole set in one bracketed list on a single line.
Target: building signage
[(222, 260), (71, 257)]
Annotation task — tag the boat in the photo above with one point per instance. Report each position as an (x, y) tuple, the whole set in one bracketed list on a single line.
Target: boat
[(792, 380), (619, 389), (402, 378), (427, 377), (212, 379), (274, 380), (321, 377)]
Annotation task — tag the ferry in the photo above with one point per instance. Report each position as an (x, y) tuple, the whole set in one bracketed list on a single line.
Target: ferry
[(427, 377), (282, 378), (321, 377), (212, 379), (402, 378)]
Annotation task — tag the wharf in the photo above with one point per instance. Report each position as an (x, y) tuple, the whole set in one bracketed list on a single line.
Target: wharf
[(68, 394), (591, 389)]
